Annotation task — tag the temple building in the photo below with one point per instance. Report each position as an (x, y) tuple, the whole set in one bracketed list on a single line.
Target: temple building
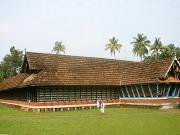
[(61, 78)]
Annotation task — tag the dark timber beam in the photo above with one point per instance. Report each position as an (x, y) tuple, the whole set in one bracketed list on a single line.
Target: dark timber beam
[(119, 93), (69, 94), (143, 90), (177, 90), (63, 93), (80, 93), (86, 93), (167, 95), (101, 93), (157, 89), (106, 93), (127, 91), (50, 91), (137, 91), (164, 90), (150, 90), (91, 93), (122, 92), (174, 92), (132, 91), (178, 93), (96, 92)]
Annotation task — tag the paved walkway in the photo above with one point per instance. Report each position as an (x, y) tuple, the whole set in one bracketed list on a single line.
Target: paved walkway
[(74, 105)]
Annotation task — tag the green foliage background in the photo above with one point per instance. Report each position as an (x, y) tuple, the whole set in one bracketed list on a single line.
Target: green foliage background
[(11, 63)]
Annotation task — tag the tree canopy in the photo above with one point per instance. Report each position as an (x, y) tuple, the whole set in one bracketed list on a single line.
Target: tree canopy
[(11, 63)]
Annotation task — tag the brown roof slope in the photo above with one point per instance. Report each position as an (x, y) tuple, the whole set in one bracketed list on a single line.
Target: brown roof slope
[(152, 71), (77, 70), (42, 61), (13, 82)]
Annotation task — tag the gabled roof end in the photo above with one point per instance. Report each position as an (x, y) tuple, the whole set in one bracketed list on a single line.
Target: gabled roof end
[(174, 59)]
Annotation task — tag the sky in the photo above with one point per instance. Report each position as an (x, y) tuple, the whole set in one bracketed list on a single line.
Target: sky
[(85, 26)]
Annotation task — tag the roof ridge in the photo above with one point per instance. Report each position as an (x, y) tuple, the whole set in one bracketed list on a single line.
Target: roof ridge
[(84, 57)]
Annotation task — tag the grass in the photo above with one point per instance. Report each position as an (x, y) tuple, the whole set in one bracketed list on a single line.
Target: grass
[(116, 121)]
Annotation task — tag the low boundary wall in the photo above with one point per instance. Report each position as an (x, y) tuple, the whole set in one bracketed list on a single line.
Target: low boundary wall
[(78, 105)]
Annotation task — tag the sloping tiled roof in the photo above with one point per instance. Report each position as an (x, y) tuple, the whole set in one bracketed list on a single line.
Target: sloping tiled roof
[(77, 70), (12, 82)]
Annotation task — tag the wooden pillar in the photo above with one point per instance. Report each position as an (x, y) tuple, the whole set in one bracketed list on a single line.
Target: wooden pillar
[(157, 89), (122, 92), (150, 90), (127, 91), (45, 93), (174, 92), (69, 94), (118, 93), (32, 97), (178, 93), (164, 89), (75, 93), (33, 91), (63, 92), (106, 92), (132, 91), (37, 95), (58, 93), (167, 95), (137, 91), (101, 92), (25, 94), (80, 93), (50, 90), (96, 92), (86, 93), (142, 90)]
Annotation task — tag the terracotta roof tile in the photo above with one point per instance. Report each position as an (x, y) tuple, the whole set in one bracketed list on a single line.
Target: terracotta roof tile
[(77, 70), (12, 82), (55, 69)]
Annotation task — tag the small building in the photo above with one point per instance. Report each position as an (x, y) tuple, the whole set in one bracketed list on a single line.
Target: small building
[(61, 78)]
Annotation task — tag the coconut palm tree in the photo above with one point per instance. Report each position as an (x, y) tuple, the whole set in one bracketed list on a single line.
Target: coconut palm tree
[(168, 51), (140, 45), (157, 48), (59, 47), (113, 46)]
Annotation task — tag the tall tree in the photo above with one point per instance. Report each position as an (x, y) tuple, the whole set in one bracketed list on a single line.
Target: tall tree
[(178, 52), (11, 63), (157, 48), (140, 45), (168, 51), (59, 48), (113, 46), (1, 73)]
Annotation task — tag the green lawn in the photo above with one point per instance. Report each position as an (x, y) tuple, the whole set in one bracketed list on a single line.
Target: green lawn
[(116, 121)]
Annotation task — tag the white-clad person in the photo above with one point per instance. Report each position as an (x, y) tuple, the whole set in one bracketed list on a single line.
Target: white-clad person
[(100, 105)]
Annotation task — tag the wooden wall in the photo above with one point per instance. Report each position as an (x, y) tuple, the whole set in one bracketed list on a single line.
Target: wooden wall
[(80, 93), (76, 93)]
